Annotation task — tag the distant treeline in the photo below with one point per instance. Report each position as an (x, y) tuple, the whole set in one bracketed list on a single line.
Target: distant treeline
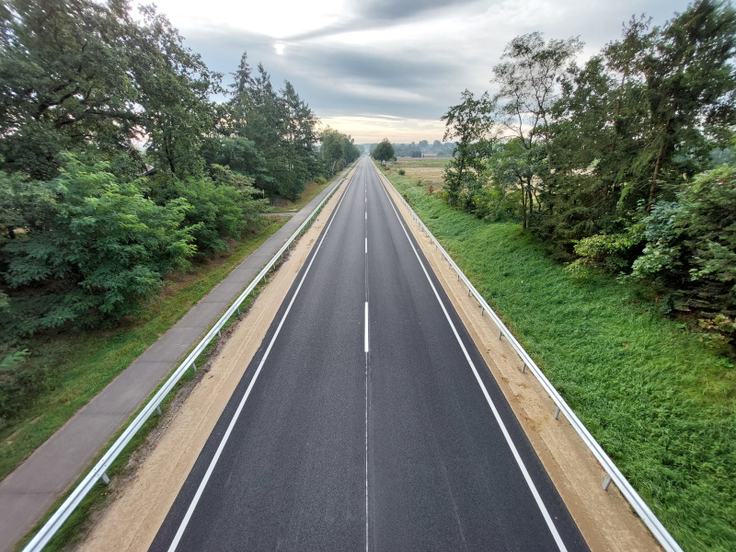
[(423, 148), (625, 164), (116, 167)]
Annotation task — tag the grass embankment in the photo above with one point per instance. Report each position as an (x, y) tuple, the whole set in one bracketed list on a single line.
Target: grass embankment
[(656, 398), (82, 363), (309, 193)]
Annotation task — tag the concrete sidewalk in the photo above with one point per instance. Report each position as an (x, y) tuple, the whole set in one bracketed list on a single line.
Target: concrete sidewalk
[(29, 491)]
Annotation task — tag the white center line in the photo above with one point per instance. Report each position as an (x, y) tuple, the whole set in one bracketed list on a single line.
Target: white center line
[(366, 246)]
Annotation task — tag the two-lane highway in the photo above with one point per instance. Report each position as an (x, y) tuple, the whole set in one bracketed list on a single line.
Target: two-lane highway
[(367, 420)]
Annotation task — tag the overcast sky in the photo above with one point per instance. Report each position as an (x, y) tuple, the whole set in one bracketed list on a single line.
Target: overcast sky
[(389, 68)]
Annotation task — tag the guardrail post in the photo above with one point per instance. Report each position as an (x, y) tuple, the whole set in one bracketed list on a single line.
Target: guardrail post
[(158, 409), (194, 367), (105, 479), (523, 368), (482, 310), (606, 482), (557, 413), (500, 334)]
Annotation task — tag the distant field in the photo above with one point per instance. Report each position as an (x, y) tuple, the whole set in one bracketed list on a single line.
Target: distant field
[(424, 171)]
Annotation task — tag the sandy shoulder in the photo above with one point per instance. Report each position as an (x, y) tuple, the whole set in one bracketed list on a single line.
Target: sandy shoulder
[(139, 502), (605, 518)]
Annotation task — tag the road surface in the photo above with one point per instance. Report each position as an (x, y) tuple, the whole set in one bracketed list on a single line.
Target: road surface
[(367, 420)]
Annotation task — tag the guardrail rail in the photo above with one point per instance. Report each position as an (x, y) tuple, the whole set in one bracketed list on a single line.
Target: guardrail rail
[(49, 529), (613, 474)]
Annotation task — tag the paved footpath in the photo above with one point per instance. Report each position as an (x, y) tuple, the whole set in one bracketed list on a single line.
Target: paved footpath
[(29, 491)]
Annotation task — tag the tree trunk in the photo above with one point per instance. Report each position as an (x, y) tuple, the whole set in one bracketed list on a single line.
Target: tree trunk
[(653, 186), (11, 232), (523, 206), (618, 112)]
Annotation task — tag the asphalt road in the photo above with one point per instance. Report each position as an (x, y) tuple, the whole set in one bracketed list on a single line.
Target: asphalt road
[(367, 420)]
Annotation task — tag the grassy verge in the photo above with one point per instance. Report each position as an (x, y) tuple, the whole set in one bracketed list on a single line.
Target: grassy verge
[(309, 193), (84, 362), (660, 402)]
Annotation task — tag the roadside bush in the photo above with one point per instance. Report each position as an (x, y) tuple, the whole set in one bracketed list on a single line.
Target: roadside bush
[(99, 249)]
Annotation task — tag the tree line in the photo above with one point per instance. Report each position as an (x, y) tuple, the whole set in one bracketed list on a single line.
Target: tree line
[(117, 168), (625, 163)]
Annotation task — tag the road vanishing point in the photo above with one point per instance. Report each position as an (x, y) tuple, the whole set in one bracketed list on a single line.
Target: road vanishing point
[(368, 420)]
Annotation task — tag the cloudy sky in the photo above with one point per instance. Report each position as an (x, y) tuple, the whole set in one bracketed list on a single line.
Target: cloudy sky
[(389, 68)]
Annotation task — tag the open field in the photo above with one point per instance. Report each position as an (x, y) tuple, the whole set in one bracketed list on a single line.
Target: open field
[(660, 402)]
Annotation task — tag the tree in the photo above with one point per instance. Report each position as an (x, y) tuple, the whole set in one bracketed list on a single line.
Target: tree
[(529, 84), (383, 152), (690, 89), (471, 122), (62, 81), (100, 248)]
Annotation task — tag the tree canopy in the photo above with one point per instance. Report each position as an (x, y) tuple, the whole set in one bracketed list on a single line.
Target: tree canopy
[(623, 163), (383, 152)]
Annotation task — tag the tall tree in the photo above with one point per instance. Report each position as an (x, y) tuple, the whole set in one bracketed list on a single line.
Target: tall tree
[(383, 152), (470, 121), (690, 89), (528, 82)]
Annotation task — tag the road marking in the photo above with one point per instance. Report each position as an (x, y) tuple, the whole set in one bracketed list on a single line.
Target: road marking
[(366, 246), (231, 426), (366, 328), (537, 497)]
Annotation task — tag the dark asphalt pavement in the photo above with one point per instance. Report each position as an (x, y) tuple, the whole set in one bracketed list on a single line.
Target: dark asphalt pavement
[(410, 446)]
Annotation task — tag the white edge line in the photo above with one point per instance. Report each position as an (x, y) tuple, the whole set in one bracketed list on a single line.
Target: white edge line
[(231, 426), (514, 451)]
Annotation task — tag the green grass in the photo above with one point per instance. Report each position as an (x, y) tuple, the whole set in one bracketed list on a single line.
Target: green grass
[(309, 193), (659, 401), (82, 363)]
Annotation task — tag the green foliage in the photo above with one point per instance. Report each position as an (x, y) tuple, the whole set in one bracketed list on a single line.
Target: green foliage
[(602, 161), (102, 247), (277, 132), (80, 75), (470, 121), (338, 150), (219, 209), (691, 245), (383, 152)]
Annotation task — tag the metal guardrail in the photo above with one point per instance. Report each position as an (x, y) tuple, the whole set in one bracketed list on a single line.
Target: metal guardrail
[(613, 474), (47, 532)]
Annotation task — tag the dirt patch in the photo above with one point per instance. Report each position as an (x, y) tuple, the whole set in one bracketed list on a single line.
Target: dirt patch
[(605, 518), (141, 498)]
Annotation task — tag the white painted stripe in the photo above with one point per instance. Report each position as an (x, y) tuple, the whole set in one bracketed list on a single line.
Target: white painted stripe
[(507, 436), (231, 426), (366, 246), (366, 327), (366, 453)]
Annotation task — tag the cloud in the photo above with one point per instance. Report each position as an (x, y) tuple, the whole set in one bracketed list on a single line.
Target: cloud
[(407, 60), (372, 14)]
